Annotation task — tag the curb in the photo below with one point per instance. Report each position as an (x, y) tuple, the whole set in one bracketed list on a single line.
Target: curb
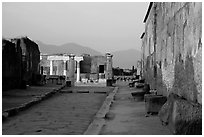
[(99, 120), (14, 111)]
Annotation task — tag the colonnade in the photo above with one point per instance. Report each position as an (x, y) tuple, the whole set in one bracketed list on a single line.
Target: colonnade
[(72, 59), (71, 65)]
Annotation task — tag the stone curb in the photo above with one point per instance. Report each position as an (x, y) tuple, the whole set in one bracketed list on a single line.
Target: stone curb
[(14, 111), (85, 91), (99, 120)]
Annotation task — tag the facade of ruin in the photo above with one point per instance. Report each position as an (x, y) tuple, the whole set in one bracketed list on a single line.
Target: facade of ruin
[(78, 68), (20, 62), (172, 62), (172, 49)]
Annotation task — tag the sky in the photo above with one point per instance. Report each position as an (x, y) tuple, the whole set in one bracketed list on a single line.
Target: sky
[(103, 26)]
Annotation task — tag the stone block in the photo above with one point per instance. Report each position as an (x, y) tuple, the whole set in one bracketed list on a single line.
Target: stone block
[(109, 82), (139, 85), (182, 117), (68, 83), (146, 88), (131, 84), (138, 96), (153, 103)]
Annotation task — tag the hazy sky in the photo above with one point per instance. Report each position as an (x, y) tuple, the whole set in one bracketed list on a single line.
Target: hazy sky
[(101, 26)]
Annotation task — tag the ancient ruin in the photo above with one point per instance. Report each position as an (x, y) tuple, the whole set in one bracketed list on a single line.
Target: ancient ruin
[(87, 68), (172, 58), (20, 63)]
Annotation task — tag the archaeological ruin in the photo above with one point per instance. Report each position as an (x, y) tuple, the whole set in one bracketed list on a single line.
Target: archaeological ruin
[(172, 62), (20, 63), (79, 69)]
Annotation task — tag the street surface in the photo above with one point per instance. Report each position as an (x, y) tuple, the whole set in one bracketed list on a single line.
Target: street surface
[(71, 111), (62, 114)]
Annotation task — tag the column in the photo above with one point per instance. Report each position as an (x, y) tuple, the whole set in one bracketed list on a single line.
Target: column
[(57, 71), (78, 71), (65, 71), (109, 71), (51, 67), (78, 59), (71, 69)]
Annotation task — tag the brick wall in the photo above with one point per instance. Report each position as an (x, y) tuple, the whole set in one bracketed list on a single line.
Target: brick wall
[(172, 49)]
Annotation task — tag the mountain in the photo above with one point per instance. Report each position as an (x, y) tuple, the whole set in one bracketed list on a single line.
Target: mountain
[(66, 48), (126, 58)]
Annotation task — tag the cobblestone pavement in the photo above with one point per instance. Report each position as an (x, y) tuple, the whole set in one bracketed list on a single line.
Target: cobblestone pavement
[(127, 116), (64, 113)]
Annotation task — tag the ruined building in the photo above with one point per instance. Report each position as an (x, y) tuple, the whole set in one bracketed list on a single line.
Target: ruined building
[(20, 62), (172, 51), (86, 67)]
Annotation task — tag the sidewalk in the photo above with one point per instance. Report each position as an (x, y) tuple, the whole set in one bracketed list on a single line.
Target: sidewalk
[(16, 97), (127, 117)]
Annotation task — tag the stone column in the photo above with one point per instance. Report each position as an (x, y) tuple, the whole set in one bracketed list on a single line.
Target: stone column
[(78, 71), (57, 71), (65, 71), (109, 71), (78, 59), (51, 67), (71, 68)]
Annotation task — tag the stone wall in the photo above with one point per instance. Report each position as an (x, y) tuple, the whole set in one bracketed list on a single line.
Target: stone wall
[(96, 61), (172, 49), (11, 65), (32, 55), (85, 65), (20, 65)]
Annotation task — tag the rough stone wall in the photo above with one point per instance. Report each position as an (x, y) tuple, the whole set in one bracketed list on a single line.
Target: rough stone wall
[(178, 31), (11, 65), (96, 61), (85, 65), (30, 59), (148, 50), (33, 59)]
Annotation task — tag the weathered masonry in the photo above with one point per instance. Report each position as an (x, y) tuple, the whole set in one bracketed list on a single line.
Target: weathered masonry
[(95, 68), (172, 52), (20, 62)]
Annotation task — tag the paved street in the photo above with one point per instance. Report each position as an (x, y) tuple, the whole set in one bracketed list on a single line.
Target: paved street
[(64, 113), (127, 116), (68, 113)]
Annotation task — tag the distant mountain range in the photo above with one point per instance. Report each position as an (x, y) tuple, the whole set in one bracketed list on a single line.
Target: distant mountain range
[(66, 48), (123, 59)]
